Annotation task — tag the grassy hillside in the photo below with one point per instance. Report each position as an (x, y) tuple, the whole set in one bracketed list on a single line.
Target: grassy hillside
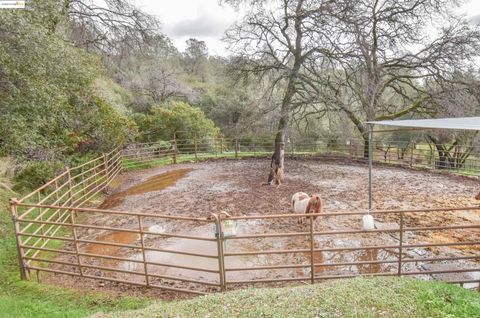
[(360, 297)]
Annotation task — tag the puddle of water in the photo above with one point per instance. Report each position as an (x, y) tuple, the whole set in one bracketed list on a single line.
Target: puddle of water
[(191, 246), (155, 183), (317, 259), (473, 276), (114, 237), (120, 237), (342, 257), (194, 246), (156, 228), (368, 256)]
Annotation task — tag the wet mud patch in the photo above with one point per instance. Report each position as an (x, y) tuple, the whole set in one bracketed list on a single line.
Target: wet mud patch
[(154, 183), (197, 190)]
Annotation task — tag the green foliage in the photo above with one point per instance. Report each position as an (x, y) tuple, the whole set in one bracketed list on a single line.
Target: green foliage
[(48, 109), (228, 107), (6, 173), (36, 173), (51, 107), (195, 57), (113, 94), (174, 117), (102, 128)]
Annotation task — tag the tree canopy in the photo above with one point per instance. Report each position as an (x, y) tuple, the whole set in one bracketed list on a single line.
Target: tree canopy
[(80, 77)]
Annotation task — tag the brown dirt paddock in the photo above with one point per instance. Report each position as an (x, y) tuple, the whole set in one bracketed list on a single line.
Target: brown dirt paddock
[(197, 189)]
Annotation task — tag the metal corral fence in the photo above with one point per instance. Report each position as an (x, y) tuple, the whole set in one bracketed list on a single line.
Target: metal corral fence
[(460, 159), (57, 233), (45, 208)]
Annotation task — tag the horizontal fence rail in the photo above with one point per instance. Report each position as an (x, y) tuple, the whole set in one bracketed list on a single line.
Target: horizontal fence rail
[(55, 232), (459, 159), (399, 239)]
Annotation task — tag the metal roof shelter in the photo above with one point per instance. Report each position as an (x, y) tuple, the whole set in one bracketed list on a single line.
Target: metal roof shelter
[(459, 123)]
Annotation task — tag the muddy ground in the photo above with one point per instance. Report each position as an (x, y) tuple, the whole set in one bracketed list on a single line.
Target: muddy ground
[(198, 189)]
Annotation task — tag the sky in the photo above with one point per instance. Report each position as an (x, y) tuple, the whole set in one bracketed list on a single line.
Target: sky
[(204, 20), (207, 20)]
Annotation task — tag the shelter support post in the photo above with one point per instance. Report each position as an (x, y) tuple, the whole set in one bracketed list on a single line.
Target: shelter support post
[(370, 163)]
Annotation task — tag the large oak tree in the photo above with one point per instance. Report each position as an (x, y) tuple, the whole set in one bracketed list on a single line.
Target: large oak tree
[(388, 53), (279, 39)]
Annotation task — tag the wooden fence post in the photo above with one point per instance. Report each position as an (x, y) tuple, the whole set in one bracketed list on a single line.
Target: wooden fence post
[(411, 155), (174, 149), (236, 148), (432, 155), (350, 149), (221, 145), (195, 147)]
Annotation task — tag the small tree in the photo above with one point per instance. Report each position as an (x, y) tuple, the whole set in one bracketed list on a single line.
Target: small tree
[(174, 117)]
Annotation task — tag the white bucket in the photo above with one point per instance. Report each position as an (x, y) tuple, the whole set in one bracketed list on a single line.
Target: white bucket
[(229, 229), (368, 222)]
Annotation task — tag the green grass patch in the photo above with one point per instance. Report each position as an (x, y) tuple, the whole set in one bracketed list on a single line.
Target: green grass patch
[(132, 164), (359, 297)]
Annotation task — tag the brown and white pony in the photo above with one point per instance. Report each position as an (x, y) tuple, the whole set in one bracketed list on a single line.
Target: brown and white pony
[(477, 197), (302, 203)]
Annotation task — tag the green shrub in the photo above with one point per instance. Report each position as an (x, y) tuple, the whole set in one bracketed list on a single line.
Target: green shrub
[(184, 120), (6, 173), (36, 173)]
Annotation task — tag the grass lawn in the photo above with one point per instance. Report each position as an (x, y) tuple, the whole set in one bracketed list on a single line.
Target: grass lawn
[(359, 297)]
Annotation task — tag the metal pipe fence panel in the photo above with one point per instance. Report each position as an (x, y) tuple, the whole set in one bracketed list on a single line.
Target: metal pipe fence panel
[(54, 232)]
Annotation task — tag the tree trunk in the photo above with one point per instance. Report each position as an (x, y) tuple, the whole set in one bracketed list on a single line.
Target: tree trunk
[(277, 164), (361, 129), (277, 169)]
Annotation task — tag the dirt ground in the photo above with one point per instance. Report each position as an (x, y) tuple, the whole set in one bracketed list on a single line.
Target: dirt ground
[(198, 189)]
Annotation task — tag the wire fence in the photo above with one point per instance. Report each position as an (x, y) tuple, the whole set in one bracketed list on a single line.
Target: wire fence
[(57, 233)]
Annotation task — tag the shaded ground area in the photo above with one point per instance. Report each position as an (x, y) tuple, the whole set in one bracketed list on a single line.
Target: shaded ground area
[(236, 187)]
